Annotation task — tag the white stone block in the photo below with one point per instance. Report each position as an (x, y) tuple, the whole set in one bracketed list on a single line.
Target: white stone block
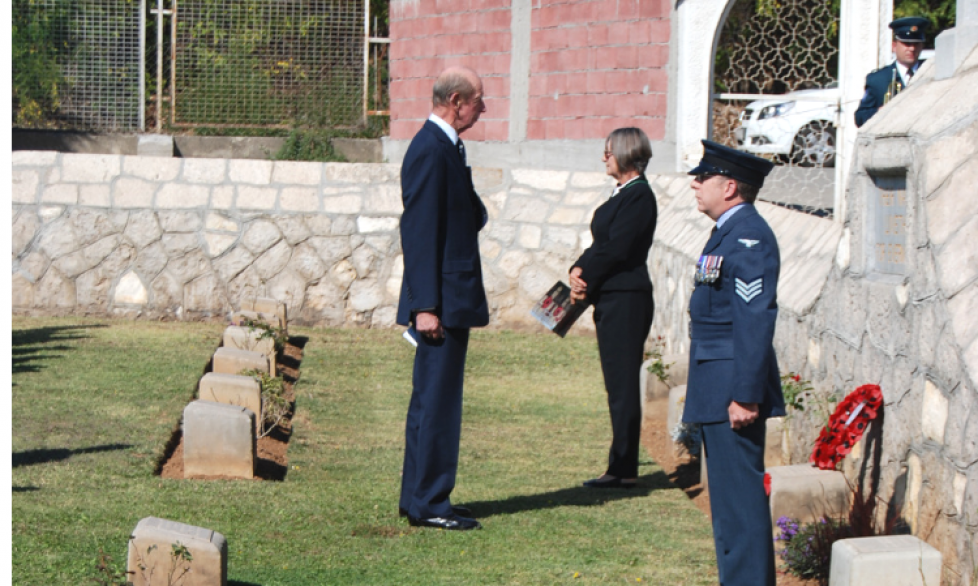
[(218, 440), (133, 193), (232, 389), (893, 560), (131, 290), (25, 182), (807, 493), (204, 170), (83, 168), (218, 243), (342, 204), (299, 199), (934, 413), (177, 196), (256, 198), (95, 196), (254, 172), (367, 225), (677, 402), (232, 361), (60, 193), (154, 145), (152, 543), (297, 172), (540, 179)]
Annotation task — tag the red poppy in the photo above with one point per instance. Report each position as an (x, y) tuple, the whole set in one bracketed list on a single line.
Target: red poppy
[(767, 484), (846, 426)]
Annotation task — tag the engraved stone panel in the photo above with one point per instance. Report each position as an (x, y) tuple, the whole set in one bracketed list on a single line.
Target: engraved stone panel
[(888, 245)]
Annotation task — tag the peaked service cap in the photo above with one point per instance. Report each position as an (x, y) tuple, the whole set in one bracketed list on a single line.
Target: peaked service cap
[(723, 160), (910, 29)]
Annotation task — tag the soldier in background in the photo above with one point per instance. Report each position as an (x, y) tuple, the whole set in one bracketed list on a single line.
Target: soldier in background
[(885, 83)]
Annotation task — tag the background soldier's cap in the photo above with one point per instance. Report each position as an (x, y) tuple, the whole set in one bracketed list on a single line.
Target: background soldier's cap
[(910, 29), (723, 160)]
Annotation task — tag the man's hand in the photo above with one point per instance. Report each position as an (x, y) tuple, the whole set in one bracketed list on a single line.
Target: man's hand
[(428, 325), (742, 414), (578, 286)]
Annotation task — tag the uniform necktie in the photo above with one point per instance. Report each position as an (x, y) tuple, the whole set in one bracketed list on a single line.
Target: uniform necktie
[(909, 74), (461, 150)]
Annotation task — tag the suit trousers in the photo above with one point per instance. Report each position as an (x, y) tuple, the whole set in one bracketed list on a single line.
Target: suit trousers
[(623, 320), (740, 508), (434, 425)]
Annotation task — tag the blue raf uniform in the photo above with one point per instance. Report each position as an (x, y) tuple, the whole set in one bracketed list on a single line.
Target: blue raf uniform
[(733, 310), (885, 83)]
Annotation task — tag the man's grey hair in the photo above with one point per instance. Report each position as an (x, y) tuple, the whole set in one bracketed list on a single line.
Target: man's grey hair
[(453, 81)]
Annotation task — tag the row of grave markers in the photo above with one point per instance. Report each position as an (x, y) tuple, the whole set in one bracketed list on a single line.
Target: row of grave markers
[(806, 493), (220, 436)]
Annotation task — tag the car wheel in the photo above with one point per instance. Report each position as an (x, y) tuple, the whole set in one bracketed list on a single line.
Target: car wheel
[(814, 145)]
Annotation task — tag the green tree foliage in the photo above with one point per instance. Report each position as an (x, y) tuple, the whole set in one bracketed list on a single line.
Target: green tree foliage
[(39, 42), (940, 13)]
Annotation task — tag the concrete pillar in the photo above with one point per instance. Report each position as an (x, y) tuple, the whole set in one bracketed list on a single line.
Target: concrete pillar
[(152, 543), (861, 50)]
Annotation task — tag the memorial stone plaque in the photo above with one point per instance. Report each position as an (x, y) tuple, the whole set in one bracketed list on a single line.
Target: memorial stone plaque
[(888, 254)]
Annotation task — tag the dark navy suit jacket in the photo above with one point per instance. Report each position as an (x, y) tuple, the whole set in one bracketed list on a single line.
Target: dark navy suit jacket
[(877, 83), (732, 324), (440, 234)]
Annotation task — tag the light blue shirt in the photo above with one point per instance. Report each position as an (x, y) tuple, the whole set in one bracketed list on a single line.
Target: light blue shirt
[(728, 214), (446, 127)]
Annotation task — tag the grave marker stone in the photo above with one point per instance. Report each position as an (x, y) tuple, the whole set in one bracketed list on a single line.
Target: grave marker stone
[(218, 440), (208, 548), (232, 389)]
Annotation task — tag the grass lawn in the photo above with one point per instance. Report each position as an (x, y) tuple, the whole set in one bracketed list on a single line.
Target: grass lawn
[(94, 401)]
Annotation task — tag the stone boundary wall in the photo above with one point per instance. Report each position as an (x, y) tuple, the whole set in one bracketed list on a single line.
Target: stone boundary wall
[(190, 238)]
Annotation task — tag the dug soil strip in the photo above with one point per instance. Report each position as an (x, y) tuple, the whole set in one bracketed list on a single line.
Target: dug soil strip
[(272, 450)]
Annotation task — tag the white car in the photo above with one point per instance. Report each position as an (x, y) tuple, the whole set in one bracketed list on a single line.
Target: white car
[(798, 127)]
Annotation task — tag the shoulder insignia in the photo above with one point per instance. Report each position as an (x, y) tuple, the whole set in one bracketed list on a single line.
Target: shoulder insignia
[(748, 291), (748, 242)]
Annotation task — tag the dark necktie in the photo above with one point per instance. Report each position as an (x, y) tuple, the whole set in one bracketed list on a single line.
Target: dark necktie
[(461, 151), (909, 74)]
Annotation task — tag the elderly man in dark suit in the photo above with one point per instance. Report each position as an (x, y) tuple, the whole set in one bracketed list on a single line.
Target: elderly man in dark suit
[(885, 83), (733, 383), (442, 296)]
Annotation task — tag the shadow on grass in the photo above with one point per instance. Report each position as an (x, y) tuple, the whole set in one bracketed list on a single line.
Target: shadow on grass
[(43, 456), (577, 496), (30, 348)]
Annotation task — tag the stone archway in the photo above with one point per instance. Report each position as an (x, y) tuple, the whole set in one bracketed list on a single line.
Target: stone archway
[(699, 23)]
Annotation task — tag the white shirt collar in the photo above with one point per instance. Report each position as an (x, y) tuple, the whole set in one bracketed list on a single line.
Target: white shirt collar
[(903, 70), (728, 214), (452, 134), (622, 186)]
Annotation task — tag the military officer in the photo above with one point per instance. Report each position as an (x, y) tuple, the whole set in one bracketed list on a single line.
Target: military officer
[(885, 83), (733, 383)]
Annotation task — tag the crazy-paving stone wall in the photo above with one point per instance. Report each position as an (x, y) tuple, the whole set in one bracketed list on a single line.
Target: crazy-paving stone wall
[(911, 327), (190, 238)]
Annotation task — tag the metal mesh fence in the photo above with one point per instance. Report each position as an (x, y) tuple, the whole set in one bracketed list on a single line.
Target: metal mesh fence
[(76, 64), (272, 63), (777, 97)]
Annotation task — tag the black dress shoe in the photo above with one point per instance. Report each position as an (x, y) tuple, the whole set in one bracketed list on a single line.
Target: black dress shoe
[(608, 483), (456, 509), (453, 523)]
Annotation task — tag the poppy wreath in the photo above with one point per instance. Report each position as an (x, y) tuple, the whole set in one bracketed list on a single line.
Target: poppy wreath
[(846, 426)]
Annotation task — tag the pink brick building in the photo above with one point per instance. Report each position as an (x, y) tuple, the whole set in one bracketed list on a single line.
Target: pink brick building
[(553, 70)]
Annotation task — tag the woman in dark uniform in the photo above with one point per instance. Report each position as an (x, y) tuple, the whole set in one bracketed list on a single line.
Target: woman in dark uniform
[(613, 275)]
